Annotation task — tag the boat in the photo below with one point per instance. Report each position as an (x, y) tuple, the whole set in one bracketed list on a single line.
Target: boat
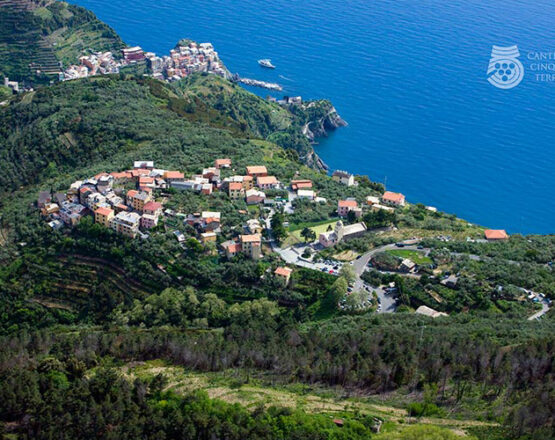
[(266, 63)]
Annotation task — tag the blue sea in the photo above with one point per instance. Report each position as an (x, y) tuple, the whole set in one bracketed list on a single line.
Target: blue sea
[(409, 76)]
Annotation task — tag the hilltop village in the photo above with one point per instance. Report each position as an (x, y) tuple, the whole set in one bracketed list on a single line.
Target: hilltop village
[(132, 204)]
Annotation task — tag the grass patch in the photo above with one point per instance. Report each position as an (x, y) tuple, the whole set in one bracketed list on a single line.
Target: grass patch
[(415, 256), (319, 227)]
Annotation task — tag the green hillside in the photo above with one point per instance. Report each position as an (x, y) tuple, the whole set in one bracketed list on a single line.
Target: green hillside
[(39, 36)]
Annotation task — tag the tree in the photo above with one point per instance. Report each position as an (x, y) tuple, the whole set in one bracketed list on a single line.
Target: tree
[(278, 230), (348, 273), (308, 234)]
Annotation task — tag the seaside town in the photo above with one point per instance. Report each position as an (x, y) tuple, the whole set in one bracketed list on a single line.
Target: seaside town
[(186, 58)]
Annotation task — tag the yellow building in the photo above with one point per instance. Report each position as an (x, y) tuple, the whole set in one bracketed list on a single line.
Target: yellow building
[(138, 199), (103, 216)]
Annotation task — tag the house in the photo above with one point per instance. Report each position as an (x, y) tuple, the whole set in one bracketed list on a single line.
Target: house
[(174, 176), (56, 225), (72, 213), (254, 197), (152, 208), (206, 189), (104, 183), (257, 171), (283, 274), (393, 199), (344, 206), (44, 198), (496, 234), (427, 311), (59, 198), (231, 248), (222, 163), (208, 237), (305, 194), (341, 233), (149, 221), (137, 200), (146, 181), (179, 236), (74, 187), (95, 200), (251, 245), (267, 182), (211, 173), (451, 281), (144, 164), (343, 177), (236, 190), (126, 223), (254, 226), (301, 184), (407, 265), (122, 177), (49, 209), (103, 216), (248, 182), (372, 200)]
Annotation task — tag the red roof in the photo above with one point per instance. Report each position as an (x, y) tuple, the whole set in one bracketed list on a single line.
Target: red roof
[(496, 234), (132, 193), (104, 211), (233, 186), (152, 206), (301, 184), (283, 271), (232, 247), (253, 238), (347, 204), (393, 197), (220, 162), (145, 180), (122, 175)]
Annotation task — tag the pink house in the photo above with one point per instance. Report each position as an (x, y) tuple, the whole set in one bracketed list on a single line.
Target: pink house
[(344, 206)]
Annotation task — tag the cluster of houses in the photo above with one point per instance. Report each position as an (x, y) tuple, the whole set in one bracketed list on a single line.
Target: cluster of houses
[(105, 197), (182, 61), (388, 201)]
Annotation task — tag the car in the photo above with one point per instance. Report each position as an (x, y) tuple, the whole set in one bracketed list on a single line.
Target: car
[(324, 269), (419, 247), (400, 244), (336, 267), (331, 271), (359, 257)]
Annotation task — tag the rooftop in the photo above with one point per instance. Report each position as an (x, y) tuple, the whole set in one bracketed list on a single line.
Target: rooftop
[(267, 180), (393, 197), (347, 203), (253, 238), (256, 169), (104, 211), (496, 234), (283, 271)]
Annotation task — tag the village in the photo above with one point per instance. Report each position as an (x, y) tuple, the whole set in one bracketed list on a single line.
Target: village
[(188, 57), (131, 203)]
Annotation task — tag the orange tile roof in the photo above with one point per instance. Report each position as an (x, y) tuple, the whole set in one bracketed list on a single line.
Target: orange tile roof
[(297, 184), (266, 180), (146, 179), (132, 193), (347, 204), (99, 175), (256, 169), (139, 172), (174, 175), (122, 175), (104, 211), (247, 178), (283, 271), (235, 186), (232, 247), (222, 162), (393, 197), (250, 238), (496, 234)]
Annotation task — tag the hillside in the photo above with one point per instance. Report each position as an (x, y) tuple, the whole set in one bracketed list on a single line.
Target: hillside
[(37, 36), (164, 333)]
